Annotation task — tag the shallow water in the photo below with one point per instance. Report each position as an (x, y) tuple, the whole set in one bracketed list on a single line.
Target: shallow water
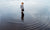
[(36, 15)]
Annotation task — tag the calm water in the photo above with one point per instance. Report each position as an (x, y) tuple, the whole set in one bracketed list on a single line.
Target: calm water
[(36, 15)]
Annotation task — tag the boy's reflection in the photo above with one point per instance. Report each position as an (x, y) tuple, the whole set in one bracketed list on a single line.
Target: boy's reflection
[(22, 15)]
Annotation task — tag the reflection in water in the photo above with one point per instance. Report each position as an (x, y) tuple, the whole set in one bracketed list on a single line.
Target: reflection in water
[(22, 16)]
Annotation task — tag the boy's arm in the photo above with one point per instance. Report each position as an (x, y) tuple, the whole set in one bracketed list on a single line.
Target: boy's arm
[(20, 6)]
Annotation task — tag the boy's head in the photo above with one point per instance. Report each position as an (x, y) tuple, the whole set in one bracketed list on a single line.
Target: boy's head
[(22, 3)]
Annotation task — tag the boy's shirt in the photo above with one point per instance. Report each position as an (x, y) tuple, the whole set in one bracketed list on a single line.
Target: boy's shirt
[(22, 7)]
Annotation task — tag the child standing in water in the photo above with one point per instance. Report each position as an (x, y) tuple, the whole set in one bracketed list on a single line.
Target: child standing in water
[(22, 10)]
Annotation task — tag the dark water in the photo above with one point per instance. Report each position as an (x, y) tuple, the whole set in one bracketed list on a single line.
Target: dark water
[(7, 22), (31, 23), (11, 22)]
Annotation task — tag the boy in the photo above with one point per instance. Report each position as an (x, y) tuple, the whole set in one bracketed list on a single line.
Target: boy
[(22, 9)]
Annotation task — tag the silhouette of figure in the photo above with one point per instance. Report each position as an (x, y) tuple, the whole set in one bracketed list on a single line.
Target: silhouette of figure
[(22, 10)]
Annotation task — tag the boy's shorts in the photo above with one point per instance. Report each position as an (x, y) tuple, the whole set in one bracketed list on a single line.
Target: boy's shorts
[(22, 9)]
